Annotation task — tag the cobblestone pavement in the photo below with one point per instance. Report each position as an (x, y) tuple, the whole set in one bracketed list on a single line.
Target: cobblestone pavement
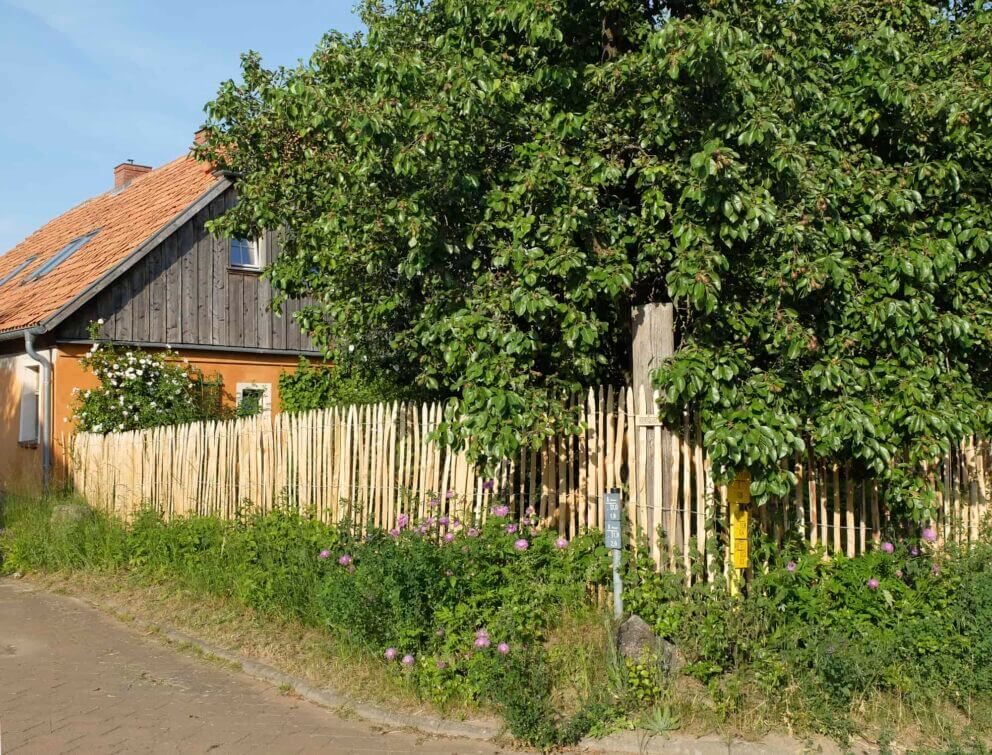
[(75, 680)]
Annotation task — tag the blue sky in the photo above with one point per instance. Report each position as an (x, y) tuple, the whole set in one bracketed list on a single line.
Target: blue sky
[(87, 84)]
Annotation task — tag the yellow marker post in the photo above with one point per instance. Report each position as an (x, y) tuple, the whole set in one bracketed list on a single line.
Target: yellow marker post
[(739, 498)]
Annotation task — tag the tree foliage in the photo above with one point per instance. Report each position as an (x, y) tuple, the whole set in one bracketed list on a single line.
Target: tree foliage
[(478, 190), (320, 386)]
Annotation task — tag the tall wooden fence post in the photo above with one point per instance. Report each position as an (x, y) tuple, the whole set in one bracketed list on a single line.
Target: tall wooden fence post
[(653, 340)]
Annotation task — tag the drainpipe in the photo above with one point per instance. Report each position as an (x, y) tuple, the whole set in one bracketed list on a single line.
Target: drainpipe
[(45, 431)]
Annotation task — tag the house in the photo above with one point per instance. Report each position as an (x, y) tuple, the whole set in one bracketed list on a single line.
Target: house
[(140, 259)]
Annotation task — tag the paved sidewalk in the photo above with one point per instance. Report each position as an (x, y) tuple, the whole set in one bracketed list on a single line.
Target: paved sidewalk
[(75, 680)]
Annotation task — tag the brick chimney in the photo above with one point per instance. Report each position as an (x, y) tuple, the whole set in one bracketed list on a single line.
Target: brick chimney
[(125, 173)]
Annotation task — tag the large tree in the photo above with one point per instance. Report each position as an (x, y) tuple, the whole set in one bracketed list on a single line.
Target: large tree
[(477, 191)]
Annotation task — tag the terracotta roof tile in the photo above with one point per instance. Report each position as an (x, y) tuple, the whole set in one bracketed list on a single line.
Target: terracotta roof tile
[(126, 218)]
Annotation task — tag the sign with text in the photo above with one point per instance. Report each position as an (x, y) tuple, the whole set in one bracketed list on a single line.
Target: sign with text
[(739, 535), (739, 497), (612, 517)]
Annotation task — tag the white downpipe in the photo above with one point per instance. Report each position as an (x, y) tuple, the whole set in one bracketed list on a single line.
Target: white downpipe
[(45, 410)]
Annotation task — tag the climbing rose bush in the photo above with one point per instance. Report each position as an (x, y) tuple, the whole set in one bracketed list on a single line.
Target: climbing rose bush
[(139, 390)]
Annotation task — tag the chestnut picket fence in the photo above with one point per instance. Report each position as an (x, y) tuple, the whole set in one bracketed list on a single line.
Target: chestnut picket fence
[(374, 462)]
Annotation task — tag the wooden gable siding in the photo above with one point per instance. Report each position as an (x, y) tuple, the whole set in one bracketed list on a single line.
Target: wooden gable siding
[(184, 293)]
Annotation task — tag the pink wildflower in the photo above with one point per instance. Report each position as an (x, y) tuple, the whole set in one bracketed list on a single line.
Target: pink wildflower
[(930, 535), (888, 547), (521, 544), (394, 532), (872, 584), (503, 648), (791, 566), (472, 532), (408, 660), (501, 510), (561, 543), (511, 528), (324, 554), (449, 537), (402, 520), (344, 560), (391, 654)]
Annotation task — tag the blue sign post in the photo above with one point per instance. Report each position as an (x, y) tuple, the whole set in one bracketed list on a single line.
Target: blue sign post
[(614, 542)]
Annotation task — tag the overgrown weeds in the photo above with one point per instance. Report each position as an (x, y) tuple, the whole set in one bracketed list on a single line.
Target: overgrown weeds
[(894, 646)]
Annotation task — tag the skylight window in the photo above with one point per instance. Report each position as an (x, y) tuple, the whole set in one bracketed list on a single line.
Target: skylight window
[(17, 270), (61, 256)]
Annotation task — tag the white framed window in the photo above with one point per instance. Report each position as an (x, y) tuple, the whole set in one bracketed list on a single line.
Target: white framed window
[(254, 399), (29, 418), (246, 254)]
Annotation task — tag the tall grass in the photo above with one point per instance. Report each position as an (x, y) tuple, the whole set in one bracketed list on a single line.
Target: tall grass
[(31, 540)]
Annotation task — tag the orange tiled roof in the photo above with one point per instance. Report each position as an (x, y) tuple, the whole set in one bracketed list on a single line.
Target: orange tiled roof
[(126, 218)]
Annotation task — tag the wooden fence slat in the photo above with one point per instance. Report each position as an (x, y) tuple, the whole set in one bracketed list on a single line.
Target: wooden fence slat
[(382, 459)]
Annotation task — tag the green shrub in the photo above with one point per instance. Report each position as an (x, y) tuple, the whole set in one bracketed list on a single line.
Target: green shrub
[(456, 597), (321, 386), (912, 622)]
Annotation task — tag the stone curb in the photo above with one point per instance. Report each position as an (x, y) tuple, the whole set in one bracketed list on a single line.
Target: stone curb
[(488, 731)]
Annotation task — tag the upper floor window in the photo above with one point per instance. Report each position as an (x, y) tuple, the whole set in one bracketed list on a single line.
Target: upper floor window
[(245, 254)]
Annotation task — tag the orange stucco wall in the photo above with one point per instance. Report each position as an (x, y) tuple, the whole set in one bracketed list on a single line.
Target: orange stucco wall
[(233, 368), (20, 468)]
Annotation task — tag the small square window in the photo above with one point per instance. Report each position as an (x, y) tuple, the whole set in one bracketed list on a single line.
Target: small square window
[(254, 399), (244, 254)]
